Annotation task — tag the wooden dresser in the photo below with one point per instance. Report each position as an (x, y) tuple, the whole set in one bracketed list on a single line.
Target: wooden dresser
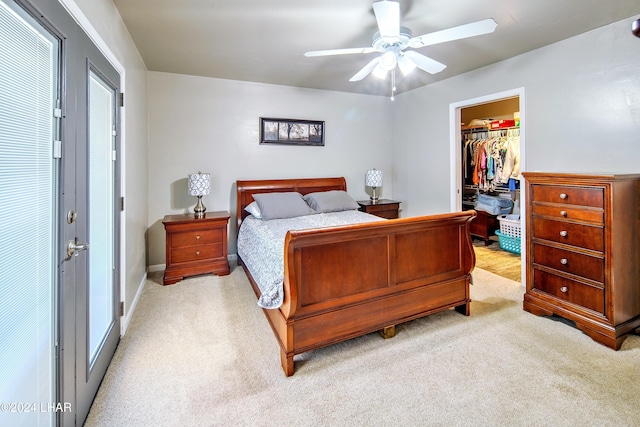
[(583, 235), (196, 245), (383, 208)]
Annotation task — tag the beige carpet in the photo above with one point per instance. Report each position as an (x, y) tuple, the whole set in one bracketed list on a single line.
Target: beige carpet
[(200, 353)]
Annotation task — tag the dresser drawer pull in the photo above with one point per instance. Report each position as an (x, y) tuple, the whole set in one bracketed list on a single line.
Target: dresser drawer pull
[(564, 261), (563, 213), (197, 252), (198, 237), (563, 196), (563, 233), (564, 289)]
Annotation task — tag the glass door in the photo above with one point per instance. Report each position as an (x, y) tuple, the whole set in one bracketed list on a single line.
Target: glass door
[(93, 248)]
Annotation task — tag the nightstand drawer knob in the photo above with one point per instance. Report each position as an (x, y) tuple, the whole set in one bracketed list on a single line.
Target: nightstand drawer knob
[(564, 261), (563, 213), (198, 237), (564, 289), (197, 252), (563, 233), (563, 196)]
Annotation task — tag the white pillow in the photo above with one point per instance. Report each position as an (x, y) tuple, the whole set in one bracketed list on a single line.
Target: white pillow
[(282, 205), (254, 210), (331, 201)]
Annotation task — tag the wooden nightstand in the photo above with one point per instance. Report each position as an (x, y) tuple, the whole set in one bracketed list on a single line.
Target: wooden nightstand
[(196, 245), (484, 225), (383, 208)]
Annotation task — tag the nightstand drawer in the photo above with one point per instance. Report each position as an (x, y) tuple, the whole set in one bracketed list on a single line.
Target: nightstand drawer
[(568, 212), (198, 237), (588, 266), (568, 233), (384, 208), (580, 196), (196, 253), (584, 295), (384, 213)]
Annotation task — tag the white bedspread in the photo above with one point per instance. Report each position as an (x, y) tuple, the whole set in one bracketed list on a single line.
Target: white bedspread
[(261, 247)]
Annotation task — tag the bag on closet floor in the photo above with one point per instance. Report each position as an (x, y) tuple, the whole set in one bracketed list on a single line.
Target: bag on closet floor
[(493, 205)]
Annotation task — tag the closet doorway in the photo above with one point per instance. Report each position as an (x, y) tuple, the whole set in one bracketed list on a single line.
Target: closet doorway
[(482, 127)]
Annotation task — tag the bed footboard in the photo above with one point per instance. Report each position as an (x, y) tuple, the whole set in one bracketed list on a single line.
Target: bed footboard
[(348, 281)]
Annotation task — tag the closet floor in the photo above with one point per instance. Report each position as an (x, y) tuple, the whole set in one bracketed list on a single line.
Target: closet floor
[(496, 260)]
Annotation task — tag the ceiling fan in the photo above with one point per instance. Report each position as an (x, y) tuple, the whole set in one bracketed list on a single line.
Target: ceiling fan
[(391, 41)]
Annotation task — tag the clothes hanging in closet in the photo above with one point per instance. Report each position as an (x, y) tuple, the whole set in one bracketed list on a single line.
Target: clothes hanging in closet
[(491, 158)]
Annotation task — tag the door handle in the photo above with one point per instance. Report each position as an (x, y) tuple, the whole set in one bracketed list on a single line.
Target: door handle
[(73, 247)]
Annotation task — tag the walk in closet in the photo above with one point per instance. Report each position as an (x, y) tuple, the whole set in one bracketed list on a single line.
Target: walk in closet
[(490, 168)]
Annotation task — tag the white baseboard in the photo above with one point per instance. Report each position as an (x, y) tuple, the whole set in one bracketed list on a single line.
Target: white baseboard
[(233, 259), (129, 310), (155, 268)]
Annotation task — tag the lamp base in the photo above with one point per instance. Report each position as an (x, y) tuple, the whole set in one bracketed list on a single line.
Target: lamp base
[(374, 197), (199, 209)]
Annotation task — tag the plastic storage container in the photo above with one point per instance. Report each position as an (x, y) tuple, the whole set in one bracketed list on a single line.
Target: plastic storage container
[(509, 235), (510, 225)]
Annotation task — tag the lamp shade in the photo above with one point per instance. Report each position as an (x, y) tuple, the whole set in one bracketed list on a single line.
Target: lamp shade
[(199, 184), (373, 178)]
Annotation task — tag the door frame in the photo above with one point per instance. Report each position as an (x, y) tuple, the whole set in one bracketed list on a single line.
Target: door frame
[(455, 152)]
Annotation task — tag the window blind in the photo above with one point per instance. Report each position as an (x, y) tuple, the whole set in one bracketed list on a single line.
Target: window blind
[(28, 58)]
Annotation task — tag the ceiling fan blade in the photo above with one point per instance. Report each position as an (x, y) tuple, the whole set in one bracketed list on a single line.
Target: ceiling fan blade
[(388, 17), (347, 51), (455, 33), (425, 63), (364, 72)]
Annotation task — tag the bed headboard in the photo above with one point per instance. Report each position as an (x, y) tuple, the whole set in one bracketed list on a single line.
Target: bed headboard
[(246, 189)]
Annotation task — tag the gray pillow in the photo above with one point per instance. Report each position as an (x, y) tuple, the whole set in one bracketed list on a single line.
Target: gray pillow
[(331, 201), (282, 205)]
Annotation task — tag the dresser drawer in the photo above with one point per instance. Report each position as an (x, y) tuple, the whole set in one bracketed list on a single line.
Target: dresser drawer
[(196, 253), (580, 235), (584, 295), (197, 237), (580, 196), (568, 212), (590, 267)]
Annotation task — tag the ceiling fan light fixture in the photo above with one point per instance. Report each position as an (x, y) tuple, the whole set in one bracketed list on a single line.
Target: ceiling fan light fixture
[(388, 60), (380, 71), (391, 40), (406, 65)]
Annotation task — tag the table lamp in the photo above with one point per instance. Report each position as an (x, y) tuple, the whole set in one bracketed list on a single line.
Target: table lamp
[(199, 185), (373, 179)]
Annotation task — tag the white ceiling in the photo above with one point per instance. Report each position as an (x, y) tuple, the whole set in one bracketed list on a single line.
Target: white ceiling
[(264, 40)]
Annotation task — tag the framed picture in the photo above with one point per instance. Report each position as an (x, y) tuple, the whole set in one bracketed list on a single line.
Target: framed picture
[(291, 132)]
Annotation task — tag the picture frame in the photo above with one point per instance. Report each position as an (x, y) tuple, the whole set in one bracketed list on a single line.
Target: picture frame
[(291, 131)]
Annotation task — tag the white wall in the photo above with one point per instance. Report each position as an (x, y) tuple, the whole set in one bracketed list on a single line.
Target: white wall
[(582, 114), (105, 20), (212, 125)]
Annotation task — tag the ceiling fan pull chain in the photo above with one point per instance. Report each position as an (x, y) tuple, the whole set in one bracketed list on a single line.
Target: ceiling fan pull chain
[(393, 83)]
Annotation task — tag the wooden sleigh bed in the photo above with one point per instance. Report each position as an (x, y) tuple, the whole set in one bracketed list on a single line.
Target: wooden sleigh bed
[(347, 281)]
